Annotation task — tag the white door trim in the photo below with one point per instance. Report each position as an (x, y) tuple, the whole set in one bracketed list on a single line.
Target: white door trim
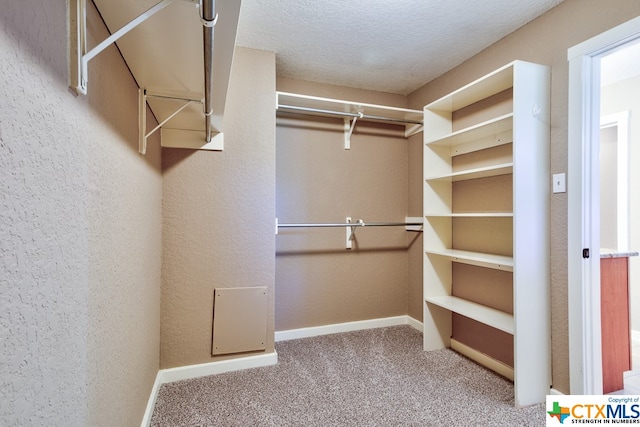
[(585, 357)]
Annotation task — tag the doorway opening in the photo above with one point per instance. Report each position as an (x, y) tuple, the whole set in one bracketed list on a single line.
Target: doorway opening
[(584, 203)]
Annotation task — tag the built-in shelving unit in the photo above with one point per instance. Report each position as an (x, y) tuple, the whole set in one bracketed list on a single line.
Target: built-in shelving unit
[(486, 232)]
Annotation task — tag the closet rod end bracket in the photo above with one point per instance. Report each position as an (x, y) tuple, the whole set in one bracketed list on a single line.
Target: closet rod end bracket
[(351, 231)]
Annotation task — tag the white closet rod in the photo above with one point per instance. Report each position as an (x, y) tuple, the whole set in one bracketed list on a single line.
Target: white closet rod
[(317, 111)]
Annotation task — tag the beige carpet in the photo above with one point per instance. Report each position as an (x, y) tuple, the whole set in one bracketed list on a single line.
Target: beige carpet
[(377, 377)]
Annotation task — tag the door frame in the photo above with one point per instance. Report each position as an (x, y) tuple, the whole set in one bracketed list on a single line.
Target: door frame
[(585, 356)]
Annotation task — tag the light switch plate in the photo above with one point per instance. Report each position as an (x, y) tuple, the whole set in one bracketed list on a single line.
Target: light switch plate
[(559, 183)]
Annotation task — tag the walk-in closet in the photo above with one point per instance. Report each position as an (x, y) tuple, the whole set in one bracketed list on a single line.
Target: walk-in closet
[(344, 229)]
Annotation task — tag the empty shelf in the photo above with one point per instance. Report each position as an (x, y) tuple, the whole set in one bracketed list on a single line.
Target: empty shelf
[(501, 79), (497, 262), (483, 314), (472, 215), (484, 172), (327, 106), (481, 130)]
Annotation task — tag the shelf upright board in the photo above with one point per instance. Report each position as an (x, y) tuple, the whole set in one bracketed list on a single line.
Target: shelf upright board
[(527, 127), (531, 249)]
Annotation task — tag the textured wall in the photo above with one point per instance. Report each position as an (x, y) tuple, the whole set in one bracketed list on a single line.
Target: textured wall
[(545, 41), (79, 320), (318, 281), (43, 226), (218, 215)]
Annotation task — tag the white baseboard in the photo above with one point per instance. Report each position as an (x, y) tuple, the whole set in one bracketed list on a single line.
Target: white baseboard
[(212, 368), (194, 371), (555, 392), (336, 328)]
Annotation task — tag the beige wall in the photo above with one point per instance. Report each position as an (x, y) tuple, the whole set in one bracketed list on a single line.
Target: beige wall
[(125, 245), (80, 232), (544, 41), (616, 98), (218, 215), (319, 281)]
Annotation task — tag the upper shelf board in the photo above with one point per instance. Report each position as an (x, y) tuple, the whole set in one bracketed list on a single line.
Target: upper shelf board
[(495, 82), (165, 55), (401, 115)]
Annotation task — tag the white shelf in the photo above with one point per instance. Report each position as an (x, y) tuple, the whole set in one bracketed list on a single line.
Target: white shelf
[(483, 314), (494, 127), (483, 172), (495, 82), (472, 215), (332, 107), (496, 262)]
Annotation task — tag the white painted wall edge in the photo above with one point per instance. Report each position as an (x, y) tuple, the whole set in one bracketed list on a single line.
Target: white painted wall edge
[(194, 371), (337, 328)]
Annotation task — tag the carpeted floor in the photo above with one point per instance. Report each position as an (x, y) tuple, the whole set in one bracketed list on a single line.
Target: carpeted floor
[(376, 377)]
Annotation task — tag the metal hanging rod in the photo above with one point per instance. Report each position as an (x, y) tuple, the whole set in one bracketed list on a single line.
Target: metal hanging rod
[(208, 17), (350, 224), (411, 224), (317, 111)]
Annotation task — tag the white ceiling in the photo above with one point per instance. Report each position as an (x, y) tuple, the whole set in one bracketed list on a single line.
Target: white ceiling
[(387, 45)]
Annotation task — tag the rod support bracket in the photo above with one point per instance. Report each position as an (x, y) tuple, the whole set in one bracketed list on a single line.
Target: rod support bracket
[(80, 55), (351, 231), (349, 125), (208, 23)]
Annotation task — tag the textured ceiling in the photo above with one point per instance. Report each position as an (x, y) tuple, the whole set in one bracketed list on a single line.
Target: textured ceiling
[(387, 45)]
